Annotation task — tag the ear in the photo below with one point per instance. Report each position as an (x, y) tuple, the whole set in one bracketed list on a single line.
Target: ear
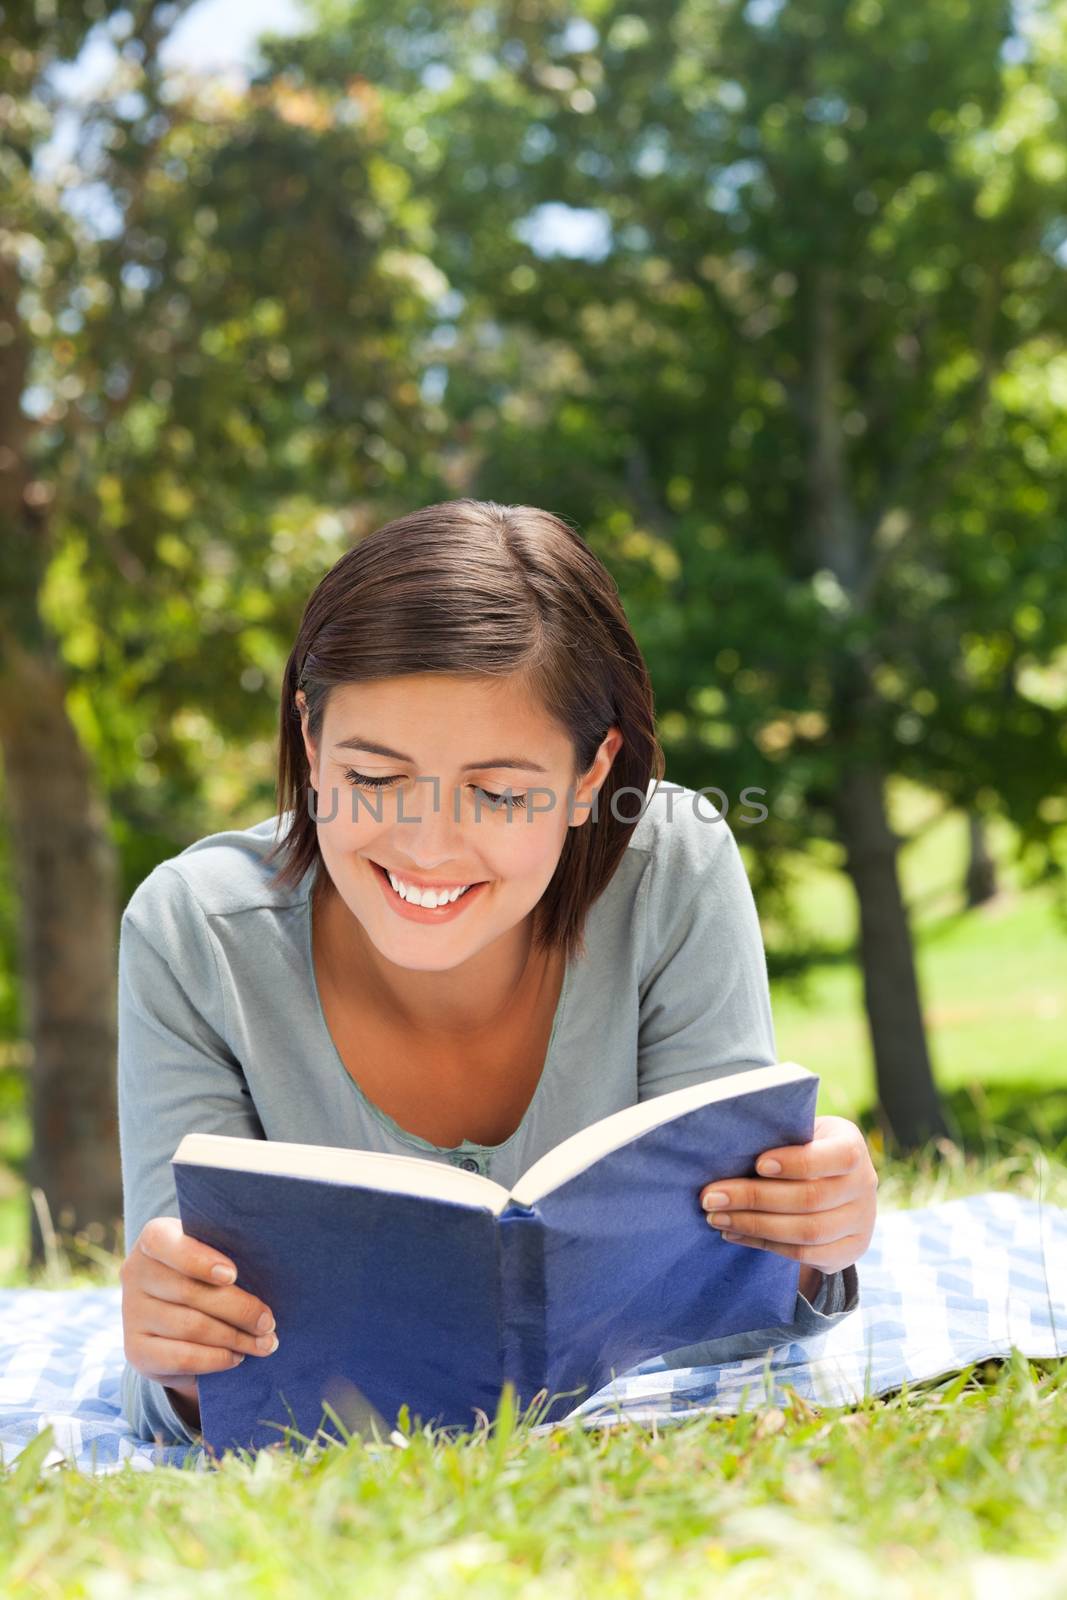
[(309, 748), (594, 779)]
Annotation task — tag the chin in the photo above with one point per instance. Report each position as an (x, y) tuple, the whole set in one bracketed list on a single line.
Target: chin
[(421, 963)]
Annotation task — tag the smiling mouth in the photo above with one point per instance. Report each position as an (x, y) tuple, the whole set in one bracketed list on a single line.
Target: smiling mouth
[(385, 871)]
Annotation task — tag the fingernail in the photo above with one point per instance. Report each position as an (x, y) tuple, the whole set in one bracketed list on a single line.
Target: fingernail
[(715, 1201), (223, 1274), (768, 1168), (268, 1344), (236, 1358), (265, 1323)]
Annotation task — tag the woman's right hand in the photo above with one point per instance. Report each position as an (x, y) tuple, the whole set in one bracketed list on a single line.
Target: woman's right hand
[(177, 1321)]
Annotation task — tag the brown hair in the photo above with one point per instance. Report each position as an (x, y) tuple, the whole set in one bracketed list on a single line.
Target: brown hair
[(476, 588)]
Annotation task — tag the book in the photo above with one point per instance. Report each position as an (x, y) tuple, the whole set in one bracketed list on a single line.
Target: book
[(398, 1281)]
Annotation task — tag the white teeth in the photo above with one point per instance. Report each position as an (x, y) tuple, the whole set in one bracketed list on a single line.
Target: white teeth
[(426, 897)]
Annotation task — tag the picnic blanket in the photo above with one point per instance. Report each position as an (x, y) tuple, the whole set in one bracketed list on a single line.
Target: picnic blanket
[(941, 1287)]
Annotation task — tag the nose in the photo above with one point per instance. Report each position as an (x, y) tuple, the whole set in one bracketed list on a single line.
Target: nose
[(429, 837)]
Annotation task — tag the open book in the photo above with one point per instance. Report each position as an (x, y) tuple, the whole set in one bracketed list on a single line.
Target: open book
[(402, 1280)]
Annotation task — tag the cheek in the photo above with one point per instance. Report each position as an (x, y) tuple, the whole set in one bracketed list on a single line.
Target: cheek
[(348, 816), (343, 835), (526, 852)]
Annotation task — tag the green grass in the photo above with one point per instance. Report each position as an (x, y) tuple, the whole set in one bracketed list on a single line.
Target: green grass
[(956, 1491), (949, 1488), (952, 1488)]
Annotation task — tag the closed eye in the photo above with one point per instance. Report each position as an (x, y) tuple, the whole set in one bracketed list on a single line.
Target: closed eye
[(362, 780)]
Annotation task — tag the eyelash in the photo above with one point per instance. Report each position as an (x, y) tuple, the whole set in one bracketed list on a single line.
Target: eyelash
[(363, 781)]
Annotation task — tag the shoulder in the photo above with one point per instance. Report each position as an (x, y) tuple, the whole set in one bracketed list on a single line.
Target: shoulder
[(684, 838), (217, 875), (694, 880)]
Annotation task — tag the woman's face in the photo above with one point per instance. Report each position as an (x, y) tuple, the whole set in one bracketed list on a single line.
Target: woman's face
[(455, 742)]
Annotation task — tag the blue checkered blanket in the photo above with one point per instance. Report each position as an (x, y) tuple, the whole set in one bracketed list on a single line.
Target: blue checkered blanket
[(940, 1287)]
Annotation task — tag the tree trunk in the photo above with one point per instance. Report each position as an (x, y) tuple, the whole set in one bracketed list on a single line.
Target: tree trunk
[(66, 874), (980, 883), (909, 1108), (63, 859), (907, 1095)]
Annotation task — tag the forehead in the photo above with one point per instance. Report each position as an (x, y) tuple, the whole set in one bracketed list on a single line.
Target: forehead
[(444, 710)]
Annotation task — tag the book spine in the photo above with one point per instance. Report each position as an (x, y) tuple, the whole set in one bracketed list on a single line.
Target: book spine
[(523, 1356)]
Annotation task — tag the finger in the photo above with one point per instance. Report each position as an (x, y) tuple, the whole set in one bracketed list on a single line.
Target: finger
[(818, 1228), (833, 1260), (234, 1306), (837, 1148), (772, 1194), (162, 1239), (176, 1358), (187, 1324)]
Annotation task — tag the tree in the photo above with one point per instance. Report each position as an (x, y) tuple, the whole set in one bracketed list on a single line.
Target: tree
[(210, 388), (800, 393), (63, 859)]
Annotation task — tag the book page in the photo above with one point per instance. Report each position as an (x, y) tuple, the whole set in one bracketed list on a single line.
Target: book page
[(335, 1164), (583, 1149), (435, 1180)]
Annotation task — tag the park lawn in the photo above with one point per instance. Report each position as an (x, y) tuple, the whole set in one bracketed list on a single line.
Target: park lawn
[(951, 1494), (953, 1489)]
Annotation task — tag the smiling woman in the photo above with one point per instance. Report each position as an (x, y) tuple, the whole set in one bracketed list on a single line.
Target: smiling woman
[(492, 923)]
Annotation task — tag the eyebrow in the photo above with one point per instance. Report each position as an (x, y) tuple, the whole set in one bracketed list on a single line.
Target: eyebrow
[(357, 742)]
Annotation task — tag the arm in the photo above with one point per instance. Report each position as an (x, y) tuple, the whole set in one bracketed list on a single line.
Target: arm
[(705, 1004), (842, 1297), (176, 1074), (810, 1282), (185, 1399), (706, 1012)]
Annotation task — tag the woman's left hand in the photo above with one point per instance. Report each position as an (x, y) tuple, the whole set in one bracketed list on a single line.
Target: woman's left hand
[(820, 1209)]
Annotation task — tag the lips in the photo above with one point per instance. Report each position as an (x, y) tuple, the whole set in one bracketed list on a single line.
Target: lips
[(411, 911), (469, 883)]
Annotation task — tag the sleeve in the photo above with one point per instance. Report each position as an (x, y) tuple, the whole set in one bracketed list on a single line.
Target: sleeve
[(176, 1075), (838, 1296), (704, 995), (706, 1012)]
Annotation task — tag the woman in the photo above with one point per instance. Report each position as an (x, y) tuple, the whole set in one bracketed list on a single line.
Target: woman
[(491, 926)]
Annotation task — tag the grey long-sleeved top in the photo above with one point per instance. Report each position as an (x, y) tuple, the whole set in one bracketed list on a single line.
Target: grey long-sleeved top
[(221, 1029)]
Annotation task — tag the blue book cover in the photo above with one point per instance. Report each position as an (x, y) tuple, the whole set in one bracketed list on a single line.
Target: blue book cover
[(396, 1280)]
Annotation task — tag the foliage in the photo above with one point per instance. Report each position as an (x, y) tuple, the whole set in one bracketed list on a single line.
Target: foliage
[(223, 386), (319, 302), (803, 396)]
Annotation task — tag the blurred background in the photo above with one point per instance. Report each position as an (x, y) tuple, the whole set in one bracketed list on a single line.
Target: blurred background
[(769, 299)]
